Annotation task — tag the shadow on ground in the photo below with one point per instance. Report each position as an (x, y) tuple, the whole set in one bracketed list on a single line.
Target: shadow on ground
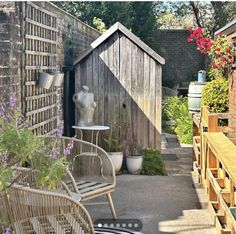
[(164, 204)]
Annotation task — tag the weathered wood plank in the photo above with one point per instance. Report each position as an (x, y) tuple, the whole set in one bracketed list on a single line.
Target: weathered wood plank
[(134, 92), (116, 72), (158, 108), (140, 118), (111, 115), (122, 76), (146, 106), (105, 64), (32, 37), (128, 74), (96, 83), (40, 24), (89, 72), (101, 85), (152, 104)]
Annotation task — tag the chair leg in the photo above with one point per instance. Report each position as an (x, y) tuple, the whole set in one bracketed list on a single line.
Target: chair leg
[(111, 205)]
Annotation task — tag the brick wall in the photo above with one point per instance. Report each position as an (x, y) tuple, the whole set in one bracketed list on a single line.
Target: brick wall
[(73, 37), (10, 50), (232, 89), (183, 61), (230, 31)]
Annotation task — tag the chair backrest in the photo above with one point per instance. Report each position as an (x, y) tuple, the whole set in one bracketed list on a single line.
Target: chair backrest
[(37, 211), (87, 165)]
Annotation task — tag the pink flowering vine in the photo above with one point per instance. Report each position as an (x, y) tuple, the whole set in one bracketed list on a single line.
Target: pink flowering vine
[(217, 49)]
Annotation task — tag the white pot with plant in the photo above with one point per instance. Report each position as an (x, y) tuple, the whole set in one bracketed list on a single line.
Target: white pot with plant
[(114, 147), (134, 163), (134, 158)]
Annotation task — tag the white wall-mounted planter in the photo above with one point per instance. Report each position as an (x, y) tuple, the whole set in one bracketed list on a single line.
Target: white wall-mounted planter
[(58, 79), (134, 164), (117, 159), (45, 80)]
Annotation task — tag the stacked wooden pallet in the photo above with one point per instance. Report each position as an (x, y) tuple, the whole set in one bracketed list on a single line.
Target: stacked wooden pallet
[(215, 167), (220, 160)]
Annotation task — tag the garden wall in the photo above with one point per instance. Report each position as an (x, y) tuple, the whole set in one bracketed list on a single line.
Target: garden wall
[(44, 27), (183, 61), (10, 49)]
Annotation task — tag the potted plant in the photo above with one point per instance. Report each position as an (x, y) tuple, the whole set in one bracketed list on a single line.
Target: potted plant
[(114, 146), (134, 158)]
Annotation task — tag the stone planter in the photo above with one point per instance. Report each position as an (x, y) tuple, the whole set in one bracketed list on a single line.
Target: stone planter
[(117, 160), (45, 80), (134, 164)]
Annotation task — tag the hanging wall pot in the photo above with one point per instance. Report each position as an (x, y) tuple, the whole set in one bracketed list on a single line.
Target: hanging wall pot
[(58, 79), (45, 80)]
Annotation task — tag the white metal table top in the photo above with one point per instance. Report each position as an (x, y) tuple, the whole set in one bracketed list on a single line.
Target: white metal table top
[(93, 127)]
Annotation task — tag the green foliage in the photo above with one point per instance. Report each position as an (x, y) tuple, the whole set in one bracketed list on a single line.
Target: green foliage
[(50, 171), (153, 164), (176, 108), (139, 17), (215, 95), (114, 141), (18, 145), (100, 26)]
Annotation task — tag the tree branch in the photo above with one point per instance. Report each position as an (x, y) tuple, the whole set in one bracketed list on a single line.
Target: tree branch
[(195, 11)]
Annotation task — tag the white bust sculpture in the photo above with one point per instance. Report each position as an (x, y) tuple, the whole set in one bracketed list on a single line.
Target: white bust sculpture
[(85, 104)]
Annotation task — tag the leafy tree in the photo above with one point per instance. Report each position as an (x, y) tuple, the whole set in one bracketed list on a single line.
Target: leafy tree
[(139, 17), (144, 23), (211, 15)]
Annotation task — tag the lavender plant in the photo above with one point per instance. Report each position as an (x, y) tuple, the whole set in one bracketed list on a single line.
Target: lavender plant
[(18, 145)]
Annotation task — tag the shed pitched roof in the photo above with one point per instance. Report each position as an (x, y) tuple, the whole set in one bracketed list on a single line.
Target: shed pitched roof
[(228, 28), (119, 27)]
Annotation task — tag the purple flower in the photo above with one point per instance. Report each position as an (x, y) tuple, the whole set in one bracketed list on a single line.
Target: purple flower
[(8, 231), (66, 151), (2, 109), (12, 101), (55, 153)]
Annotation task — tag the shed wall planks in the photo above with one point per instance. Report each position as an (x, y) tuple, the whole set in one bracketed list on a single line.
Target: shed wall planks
[(125, 75)]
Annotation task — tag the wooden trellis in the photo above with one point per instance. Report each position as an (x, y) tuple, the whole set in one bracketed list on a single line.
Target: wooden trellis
[(40, 43)]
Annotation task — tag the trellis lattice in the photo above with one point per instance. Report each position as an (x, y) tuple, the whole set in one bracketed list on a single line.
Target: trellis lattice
[(40, 46)]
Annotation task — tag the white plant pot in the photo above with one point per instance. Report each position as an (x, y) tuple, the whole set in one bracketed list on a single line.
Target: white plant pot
[(58, 79), (45, 80), (117, 159), (134, 164)]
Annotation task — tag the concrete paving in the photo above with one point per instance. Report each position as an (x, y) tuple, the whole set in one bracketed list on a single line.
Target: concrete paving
[(164, 204)]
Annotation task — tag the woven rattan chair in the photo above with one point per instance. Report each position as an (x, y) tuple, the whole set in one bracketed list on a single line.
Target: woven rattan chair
[(33, 211), (90, 175), (42, 212)]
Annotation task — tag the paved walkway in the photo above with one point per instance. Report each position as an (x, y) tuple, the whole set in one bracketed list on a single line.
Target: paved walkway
[(164, 204)]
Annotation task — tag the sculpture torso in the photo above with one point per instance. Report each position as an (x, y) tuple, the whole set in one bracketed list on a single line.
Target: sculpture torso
[(84, 102)]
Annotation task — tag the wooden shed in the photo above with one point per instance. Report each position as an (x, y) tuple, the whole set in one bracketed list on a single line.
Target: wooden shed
[(123, 72)]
